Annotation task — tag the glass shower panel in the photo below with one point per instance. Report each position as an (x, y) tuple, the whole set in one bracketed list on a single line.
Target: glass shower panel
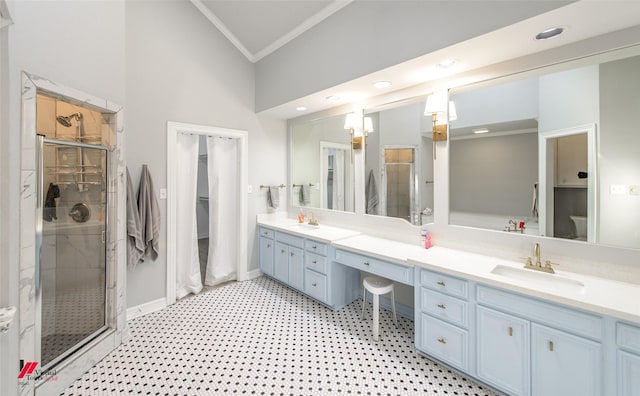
[(72, 255), (399, 170)]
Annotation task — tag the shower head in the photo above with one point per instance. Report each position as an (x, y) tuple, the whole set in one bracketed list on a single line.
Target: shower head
[(66, 120)]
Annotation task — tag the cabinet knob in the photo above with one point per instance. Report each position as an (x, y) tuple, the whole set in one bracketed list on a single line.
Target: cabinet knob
[(550, 346), (366, 263), (268, 245), (292, 254), (441, 283), (442, 340), (510, 331), (314, 284), (442, 306), (282, 251)]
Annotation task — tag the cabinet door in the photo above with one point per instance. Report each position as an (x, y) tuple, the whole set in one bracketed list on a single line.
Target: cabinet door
[(266, 255), (296, 267), (503, 351), (281, 267), (564, 364), (628, 374)]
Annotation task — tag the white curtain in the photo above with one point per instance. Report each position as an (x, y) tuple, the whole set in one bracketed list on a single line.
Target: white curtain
[(188, 278), (338, 179), (222, 168)]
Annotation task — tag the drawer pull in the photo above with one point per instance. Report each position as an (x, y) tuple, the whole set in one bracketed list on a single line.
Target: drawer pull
[(442, 340), (441, 283), (551, 346), (442, 306), (510, 331), (266, 233), (314, 262), (314, 247), (314, 284), (366, 263)]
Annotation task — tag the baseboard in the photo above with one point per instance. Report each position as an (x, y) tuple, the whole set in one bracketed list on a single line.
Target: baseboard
[(401, 309), (146, 308), (253, 274)]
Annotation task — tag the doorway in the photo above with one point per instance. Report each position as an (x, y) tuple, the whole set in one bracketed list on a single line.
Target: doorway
[(177, 211)]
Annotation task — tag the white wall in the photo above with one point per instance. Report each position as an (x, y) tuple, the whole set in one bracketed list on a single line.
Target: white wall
[(619, 151), (367, 36), (76, 44), (181, 68)]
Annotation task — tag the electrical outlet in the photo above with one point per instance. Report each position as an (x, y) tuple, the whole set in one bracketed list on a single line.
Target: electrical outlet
[(618, 189), (163, 193), (634, 189), (249, 189)]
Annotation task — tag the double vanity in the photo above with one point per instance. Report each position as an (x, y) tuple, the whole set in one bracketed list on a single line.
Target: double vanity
[(520, 331)]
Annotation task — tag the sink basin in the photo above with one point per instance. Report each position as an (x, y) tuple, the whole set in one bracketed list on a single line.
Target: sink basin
[(544, 280), (304, 227)]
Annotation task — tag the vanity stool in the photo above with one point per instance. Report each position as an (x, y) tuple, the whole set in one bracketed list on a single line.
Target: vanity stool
[(377, 286)]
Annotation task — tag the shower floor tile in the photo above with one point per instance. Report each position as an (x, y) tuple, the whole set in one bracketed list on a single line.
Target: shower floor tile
[(259, 337)]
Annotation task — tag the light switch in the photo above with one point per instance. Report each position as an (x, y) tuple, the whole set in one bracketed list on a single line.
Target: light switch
[(618, 189), (163, 193)]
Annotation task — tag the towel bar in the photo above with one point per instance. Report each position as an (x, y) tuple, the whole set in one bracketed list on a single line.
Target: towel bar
[(262, 186)]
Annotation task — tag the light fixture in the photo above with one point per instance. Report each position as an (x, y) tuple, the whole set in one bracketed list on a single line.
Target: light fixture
[(301, 108), (333, 98), (549, 33), (351, 123), (447, 63), (381, 84), (480, 130), (437, 107), (368, 126)]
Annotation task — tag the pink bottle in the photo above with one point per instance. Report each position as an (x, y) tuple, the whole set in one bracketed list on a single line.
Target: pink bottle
[(427, 241)]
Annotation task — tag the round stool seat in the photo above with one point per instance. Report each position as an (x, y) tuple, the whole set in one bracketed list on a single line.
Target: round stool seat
[(377, 285)]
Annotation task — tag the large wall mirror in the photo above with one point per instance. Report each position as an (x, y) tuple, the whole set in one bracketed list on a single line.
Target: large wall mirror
[(399, 163), (557, 154), (321, 165)]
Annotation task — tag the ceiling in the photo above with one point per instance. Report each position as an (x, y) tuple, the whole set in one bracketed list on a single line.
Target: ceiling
[(259, 27)]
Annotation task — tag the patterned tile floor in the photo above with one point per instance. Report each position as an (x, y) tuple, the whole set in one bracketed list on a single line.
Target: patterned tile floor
[(259, 337)]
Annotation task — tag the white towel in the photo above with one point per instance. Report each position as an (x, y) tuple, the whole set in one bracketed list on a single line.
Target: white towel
[(371, 192), (135, 242), (273, 197), (149, 214)]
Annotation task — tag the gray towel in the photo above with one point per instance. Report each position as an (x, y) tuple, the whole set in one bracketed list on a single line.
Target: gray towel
[(273, 197), (371, 192), (305, 194), (149, 214), (135, 242)]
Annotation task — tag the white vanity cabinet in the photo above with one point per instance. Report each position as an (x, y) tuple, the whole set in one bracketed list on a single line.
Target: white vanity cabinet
[(627, 359), (442, 318)]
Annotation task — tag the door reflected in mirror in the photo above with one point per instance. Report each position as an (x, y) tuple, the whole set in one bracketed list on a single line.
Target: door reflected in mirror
[(321, 165), (556, 155), (399, 163)]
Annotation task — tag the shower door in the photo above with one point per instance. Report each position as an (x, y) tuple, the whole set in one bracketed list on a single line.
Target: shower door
[(70, 253)]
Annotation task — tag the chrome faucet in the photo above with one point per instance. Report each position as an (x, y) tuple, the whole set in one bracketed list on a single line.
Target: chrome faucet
[(538, 264)]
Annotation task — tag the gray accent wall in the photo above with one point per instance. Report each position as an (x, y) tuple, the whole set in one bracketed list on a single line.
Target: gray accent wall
[(367, 36)]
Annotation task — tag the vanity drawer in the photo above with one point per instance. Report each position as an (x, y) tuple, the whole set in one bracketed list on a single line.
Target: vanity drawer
[(315, 285), (445, 342), (444, 307), (444, 283), (315, 247), (569, 319), (289, 239), (266, 232), (316, 262), (628, 337), (385, 269)]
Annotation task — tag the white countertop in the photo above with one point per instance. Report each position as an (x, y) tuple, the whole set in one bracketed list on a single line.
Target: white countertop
[(607, 297)]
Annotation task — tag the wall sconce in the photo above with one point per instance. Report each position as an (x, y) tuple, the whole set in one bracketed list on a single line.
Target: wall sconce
[(351, 123), (437, 107)]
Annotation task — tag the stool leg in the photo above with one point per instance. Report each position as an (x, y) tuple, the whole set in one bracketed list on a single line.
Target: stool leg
[(393, 307), (376, 316), (364, 300)]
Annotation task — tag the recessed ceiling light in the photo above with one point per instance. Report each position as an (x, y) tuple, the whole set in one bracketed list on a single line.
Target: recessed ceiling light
[(549, 33), (381, 84), (480, 130), (333, 98), (447, 63), (301, 108)]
